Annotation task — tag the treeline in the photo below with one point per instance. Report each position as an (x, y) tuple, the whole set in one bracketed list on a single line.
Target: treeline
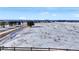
[(3, 24), (29, 23)]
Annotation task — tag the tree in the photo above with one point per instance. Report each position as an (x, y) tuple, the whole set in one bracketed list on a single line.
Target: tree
[(3, 24), (30, 23), (12, 23)]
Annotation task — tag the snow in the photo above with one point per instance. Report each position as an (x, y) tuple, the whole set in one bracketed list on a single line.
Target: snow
[(6, 28), (47, 35), (3, 29)]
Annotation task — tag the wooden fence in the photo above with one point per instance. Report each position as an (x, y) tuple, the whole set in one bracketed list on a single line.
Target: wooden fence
[(33, 49)]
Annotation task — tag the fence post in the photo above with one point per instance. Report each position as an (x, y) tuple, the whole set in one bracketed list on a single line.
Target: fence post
[(48, 49), (14, 48), (67, 49), (31, 48), (0, 48)]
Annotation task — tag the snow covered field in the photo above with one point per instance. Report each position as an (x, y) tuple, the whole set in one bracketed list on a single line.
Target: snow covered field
[(3, 29), (47, 35), (6, 28)]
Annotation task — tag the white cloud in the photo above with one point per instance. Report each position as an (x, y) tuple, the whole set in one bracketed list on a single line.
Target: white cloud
[(47, 14), (54, 14), (76, 15), (22, 17), (44, 13)]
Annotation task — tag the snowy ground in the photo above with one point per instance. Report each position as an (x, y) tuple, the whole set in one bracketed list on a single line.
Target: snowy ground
[(47, 35), (6, 28)]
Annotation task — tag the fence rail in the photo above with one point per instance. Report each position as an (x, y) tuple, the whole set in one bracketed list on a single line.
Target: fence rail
[(32, 49)]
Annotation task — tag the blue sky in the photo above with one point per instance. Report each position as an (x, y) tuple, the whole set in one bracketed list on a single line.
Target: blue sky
[(51, 13)]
